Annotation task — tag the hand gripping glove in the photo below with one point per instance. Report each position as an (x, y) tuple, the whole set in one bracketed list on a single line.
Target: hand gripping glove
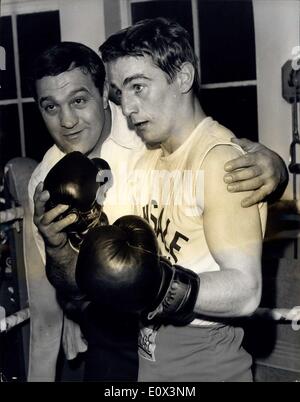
[(81, 183)]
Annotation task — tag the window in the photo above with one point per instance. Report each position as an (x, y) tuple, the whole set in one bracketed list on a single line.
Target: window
[(223, 37), (23, 36)]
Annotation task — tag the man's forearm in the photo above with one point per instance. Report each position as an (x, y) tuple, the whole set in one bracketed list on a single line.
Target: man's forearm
[(60, 268), (228, 293)]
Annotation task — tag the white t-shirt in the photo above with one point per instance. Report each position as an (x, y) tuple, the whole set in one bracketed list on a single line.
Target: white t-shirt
[(170, 196)]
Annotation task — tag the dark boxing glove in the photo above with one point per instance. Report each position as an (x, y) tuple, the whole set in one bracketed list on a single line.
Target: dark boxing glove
[(81, 183), (176, 297), (118, 265)]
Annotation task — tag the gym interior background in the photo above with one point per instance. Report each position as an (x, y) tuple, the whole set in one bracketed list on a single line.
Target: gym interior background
[(242, 46)]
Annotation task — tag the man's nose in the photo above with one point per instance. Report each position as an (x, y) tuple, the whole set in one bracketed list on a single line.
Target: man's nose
[(68, 117), (129, 106)]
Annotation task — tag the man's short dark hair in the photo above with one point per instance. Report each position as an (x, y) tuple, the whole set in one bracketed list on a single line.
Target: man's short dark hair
[(164, 40), (66, 56)]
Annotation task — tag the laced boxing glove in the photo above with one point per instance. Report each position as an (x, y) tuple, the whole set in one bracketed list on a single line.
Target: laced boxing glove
[(119, 268), (176, 297), (116, 265), (81, 183)]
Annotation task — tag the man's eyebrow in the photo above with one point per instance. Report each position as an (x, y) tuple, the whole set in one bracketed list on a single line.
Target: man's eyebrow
[(44, 98), (134, 77), (72, 93)]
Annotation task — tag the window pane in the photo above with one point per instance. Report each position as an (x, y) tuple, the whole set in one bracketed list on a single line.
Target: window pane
[(7, 76), (10, 146), (179, 10), (37, 138), (227, 42), (35, 33), (235, 108)]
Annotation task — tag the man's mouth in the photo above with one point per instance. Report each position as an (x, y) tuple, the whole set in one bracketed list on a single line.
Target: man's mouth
[(73, 134), (140, 125)]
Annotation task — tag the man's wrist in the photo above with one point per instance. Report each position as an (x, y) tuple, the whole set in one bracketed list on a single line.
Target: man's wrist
[(177, 297), (61, 245), (60, 268), (283, 182)]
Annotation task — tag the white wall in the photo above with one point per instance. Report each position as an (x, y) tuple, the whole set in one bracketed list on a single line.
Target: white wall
[(276, 33), (82, 21)]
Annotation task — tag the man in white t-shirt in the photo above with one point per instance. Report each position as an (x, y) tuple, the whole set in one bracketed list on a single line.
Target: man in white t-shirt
[(212, 244), (73, 99)]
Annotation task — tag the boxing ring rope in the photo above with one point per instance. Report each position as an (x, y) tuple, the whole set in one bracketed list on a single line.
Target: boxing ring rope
[(7, 323), (13, 320), (278, 314), (273, 314), (11, 214)]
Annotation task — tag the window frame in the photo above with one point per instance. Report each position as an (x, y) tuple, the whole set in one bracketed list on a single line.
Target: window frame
[(126, 20), (13, 8)]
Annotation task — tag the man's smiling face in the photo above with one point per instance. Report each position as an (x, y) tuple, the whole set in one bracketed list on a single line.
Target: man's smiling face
[(73, 110)]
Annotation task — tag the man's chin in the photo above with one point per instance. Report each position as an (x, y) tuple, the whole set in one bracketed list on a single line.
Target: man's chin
[(152, 145), (82, 149)]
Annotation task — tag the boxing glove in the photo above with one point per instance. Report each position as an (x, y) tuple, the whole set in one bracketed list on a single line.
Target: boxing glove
[(118, 265), (81, 183), (176, 297)]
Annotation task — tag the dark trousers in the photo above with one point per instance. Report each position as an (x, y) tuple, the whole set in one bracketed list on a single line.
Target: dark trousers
[(112, 346)]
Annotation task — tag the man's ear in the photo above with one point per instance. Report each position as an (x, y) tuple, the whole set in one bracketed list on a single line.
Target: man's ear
[(105, 94), (185, 77)]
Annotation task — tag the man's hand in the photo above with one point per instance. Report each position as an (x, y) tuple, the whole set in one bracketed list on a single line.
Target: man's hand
[(60, 257), (261, 170), (52, 231)]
